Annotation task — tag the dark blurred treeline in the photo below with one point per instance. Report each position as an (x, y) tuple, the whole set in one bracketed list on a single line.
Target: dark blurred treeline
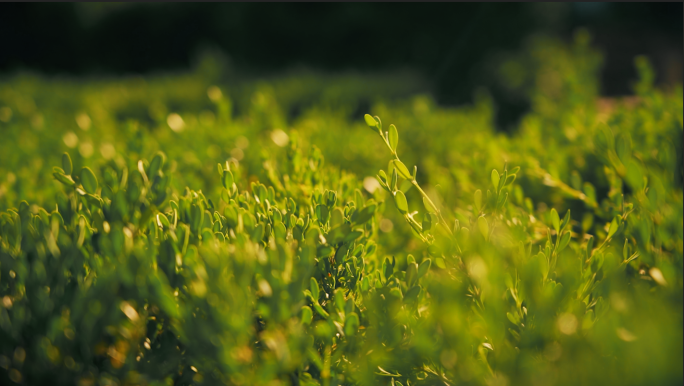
[(451, 44)]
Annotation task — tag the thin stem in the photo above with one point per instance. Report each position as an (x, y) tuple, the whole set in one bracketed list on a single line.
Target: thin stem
[(413, 181), (434, 207)]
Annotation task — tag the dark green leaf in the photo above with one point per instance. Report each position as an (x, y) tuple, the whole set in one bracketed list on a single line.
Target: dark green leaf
[(66, 164), (351, 324), (307, 315), (88, 180), (313, 286), (423, 268)]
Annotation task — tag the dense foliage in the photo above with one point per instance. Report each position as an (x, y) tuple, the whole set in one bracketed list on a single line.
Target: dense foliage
[(552, 255)]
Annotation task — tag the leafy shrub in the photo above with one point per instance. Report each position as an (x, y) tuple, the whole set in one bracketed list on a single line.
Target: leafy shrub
[(449, 273)]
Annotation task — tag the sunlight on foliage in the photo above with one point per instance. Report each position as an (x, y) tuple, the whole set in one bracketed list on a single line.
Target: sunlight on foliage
[(173, 231)]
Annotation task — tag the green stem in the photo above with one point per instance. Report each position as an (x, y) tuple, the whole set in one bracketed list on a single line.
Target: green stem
[(413, 181), (434, 207)]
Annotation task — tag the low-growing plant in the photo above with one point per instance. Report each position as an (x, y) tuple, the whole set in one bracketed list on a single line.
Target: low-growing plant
[(536, 287), (548, 255)]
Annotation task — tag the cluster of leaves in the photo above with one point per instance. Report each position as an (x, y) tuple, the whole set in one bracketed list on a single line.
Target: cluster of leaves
[(565, 292), (130, 281), (286, 270)]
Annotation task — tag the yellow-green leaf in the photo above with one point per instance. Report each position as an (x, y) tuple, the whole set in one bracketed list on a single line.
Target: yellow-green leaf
[(400, 200)]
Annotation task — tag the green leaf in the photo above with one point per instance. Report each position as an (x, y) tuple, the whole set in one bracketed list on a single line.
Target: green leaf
[(364, 214), (322, 213), (483, 226), (320, 310), (370, 121), (365, 284), (358, 198), (337, 234), (502, 181), (427, 205), (402, 169), (423, 268), (258, 232), (88, 180), (400, 200), (387, 268), (378, 121), (66, 180), (66, 164), (412, 293), (157, 164), (339, 299), (163, 220), (565, 239), (566, 220), (512, 318), (351, 324), (624, 147), (279, 231), (337, 217), (307, 315), (502, 201), (393, 137), (613, 227), (555, 220), (495, 179), (227, 179), (393, 182), (427, 221), (383, 176), (478, 201), (590, 245), (196, 218), (411, 273), (589, 192), (315, 292), (94, 200), (352, 236), (509, 179), (543, 264)]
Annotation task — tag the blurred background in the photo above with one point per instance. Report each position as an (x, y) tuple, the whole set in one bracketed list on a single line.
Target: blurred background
[(446, 50)]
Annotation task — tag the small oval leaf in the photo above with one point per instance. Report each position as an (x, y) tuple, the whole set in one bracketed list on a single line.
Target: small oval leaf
[(66, 164), (423, 268), (555, 220), (483, 226), (307, 315), (495, 178), (400, 200), (402, 169), (88, 180), (478, 200), (613, 227), (315, 292), (393, 137), (370, 121)]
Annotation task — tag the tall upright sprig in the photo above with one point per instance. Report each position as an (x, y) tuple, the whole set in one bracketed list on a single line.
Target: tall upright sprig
[(391, 139)]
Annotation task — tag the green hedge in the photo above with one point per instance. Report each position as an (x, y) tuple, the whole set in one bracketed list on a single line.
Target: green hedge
[(550, 255)]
